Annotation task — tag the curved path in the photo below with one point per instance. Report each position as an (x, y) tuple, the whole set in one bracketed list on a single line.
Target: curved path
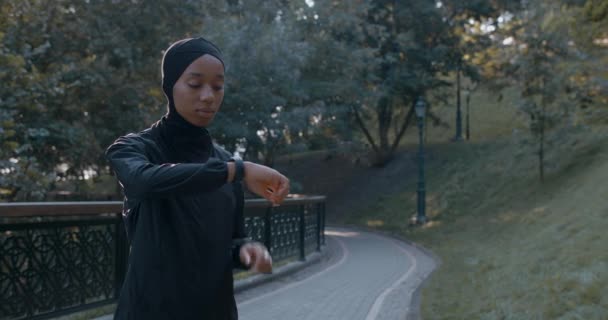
[(372, 277)]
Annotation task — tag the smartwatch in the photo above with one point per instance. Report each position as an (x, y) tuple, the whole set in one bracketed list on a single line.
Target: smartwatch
[(239, 172)]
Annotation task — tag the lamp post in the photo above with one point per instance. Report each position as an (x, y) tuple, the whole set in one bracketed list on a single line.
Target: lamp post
[(458, 136), (420, 109), (467, 94)]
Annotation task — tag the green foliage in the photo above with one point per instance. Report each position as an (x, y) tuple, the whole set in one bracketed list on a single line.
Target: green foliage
[(588, 27), (387, 54), (77, 74), (594, 18), (266, 106), (549, 70)]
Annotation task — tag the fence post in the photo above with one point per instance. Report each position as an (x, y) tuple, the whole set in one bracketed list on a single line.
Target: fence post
[(302, 233), (323, 223), (122, 256), (319, 229), (268, 229)]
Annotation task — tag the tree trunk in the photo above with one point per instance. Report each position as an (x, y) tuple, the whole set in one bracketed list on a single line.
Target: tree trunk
[(404, 126), (384, 122), (468, 122), (458, 135), (541, 149), (270, 151), (384, 152), (366, 132), (12, 196)]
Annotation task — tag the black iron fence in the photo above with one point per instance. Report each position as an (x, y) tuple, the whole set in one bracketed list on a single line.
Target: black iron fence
[(62, 257)]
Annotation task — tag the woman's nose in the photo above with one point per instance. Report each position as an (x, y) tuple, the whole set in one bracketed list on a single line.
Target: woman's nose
[(206, 94)]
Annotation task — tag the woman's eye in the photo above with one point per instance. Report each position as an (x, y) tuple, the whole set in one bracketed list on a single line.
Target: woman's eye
[(194, 86), (218, 88)]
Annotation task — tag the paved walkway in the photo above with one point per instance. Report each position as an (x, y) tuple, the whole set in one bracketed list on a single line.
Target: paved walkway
[(362, 276), (371, 277)]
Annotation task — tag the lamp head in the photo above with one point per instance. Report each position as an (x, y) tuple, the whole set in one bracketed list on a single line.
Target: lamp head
[(420, 108)]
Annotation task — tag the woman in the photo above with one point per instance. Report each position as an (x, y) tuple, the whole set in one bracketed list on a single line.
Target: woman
[(183, 206)]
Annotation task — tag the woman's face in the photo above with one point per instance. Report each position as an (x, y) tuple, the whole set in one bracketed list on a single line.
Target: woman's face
[(199, 91)]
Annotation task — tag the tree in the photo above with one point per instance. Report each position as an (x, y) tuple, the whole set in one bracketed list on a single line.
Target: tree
[(266, 105), (21, 173), (588, 25), (473, 23), (387, 54), (77, 74), (539, 67)]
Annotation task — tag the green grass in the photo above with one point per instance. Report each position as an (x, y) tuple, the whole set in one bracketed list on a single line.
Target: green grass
[(511, 247), (491, 117)]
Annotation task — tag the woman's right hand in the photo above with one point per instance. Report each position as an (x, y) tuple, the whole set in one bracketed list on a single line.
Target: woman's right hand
[(266, 182), (255, 256)]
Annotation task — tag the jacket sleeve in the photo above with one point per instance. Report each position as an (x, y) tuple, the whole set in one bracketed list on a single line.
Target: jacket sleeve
[(140, 178), (239, 235)]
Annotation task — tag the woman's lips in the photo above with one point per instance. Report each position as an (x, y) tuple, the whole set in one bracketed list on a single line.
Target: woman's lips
[(204, 113)]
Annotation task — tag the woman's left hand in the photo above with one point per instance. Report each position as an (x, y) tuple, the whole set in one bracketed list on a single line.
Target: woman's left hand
[(255, 256)]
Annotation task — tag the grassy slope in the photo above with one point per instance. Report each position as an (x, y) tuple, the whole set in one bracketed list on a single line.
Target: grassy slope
[(512, 248)]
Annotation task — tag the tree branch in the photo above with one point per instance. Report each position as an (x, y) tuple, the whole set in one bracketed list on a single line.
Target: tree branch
[(436, 120), (404, 126), (364, 129)]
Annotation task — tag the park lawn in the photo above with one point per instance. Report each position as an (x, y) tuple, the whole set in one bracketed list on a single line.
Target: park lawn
[(510, 247)]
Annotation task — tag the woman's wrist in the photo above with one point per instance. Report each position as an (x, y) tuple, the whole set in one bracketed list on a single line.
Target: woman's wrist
[(236, 170), (239, 170)]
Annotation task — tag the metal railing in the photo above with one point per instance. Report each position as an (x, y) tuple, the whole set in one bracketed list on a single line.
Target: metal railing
[(57, 258)]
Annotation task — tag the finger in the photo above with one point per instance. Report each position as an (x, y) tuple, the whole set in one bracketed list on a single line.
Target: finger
[(269, 195), (267, 257), (275, 182), (283, 190), (246, 257), (272, 196), (261, 246), (259, 259), (270, 191), (254, 253), (273, 188), (267, 265)]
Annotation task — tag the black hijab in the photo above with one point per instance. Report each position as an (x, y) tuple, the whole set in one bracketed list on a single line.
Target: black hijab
[(184, 141)]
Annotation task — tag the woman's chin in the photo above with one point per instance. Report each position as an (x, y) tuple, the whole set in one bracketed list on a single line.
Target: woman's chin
[(201, 122)]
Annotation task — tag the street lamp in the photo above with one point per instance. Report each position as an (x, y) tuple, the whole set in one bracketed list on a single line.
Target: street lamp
[(420, 109), (467, 94)]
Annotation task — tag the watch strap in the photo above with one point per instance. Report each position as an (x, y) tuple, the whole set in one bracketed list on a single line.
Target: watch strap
[(239, 172)]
